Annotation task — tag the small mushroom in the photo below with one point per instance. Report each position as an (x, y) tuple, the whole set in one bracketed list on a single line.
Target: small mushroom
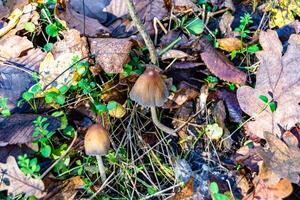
[(150, 91), (96, 143)]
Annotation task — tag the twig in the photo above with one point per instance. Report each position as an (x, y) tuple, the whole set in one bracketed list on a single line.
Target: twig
[(140, 27)]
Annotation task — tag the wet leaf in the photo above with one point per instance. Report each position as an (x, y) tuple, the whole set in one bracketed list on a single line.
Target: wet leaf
[(278, 79), (15, 182), (220, 65), (111, 53)]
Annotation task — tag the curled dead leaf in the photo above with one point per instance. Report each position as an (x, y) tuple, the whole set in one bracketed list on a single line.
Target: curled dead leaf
[(230, 44)]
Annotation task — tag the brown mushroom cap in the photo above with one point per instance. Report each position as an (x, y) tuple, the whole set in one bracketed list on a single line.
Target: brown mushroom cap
[(96, 141), (150, 89)]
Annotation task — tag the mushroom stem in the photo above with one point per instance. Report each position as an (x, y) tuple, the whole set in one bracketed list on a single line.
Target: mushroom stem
[(101, 168), (160, 125), (140, 27)]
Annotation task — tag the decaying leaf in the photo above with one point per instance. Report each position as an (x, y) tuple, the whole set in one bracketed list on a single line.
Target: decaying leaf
[(85, 25), (278, 79), (13, 46), (18, 128), (273, 192), (186, 192), (281, 160), (283, 12), (111, 53), (220, 65), (172, 53), (230, 44), (13, 20), (15, 182), (225, 24), (61, 58), (66, 189), (148, 9)]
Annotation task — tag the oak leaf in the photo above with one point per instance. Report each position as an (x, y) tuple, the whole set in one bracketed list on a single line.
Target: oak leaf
[(15, 182), (281, 160), (278, 79)]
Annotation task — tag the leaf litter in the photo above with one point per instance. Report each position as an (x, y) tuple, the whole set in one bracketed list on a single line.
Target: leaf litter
[(88, 55)]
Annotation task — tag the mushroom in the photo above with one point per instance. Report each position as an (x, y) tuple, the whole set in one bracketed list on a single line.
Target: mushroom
[(150, 91), (96, 143)]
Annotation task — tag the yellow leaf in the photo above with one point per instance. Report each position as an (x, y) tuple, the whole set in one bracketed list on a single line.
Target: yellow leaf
[(117, 112), (230, 44)]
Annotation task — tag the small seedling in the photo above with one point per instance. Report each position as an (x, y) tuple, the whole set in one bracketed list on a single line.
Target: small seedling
[(215, 193), (268, 103), (29, 166), (4, 107)]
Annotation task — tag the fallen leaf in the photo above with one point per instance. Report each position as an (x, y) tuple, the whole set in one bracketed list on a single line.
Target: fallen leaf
[(61, 58), (248, 156), (13, 20), (230, 44), (184, 6), (220, 65), (186, 65), (184, 93), (231, 103), (66, 189), (283, 12), (15, 71), (15, 151), (281, 160), (13, 46), (111, 53), (214, 131), (118, 112), (18, 128), (15, 182), (225, 24), (85, 25), (273, 192), (278, 79), (147, 10), (172, 54), (186, 192)]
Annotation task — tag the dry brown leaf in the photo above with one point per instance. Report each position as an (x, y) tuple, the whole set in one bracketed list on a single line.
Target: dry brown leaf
[(88, 26), (278, 78), (186, 192), (13, 46), (173, 53), (230, 44), (61, 58), (281, 160), (15, 182), (111, 53), (220, 65), (225, 24), (274, 192)]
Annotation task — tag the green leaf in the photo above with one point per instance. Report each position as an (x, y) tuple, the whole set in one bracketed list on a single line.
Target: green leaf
[(29, 26), (46, 151), (100, 107), (48, 47), (60, 99), (27, 96), (214, 188), (195, 26), (52, 30), (6, 112), (50, 97), (218, 196), (253, 48), (264, 98), (273, 106), (36, 88), (112, 105), (63, 89)]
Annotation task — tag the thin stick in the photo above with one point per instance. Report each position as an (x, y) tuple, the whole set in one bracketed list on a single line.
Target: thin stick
[(140, 27)]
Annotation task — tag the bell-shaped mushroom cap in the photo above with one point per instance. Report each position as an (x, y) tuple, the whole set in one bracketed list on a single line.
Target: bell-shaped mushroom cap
[(96, 141), (150, 89)]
